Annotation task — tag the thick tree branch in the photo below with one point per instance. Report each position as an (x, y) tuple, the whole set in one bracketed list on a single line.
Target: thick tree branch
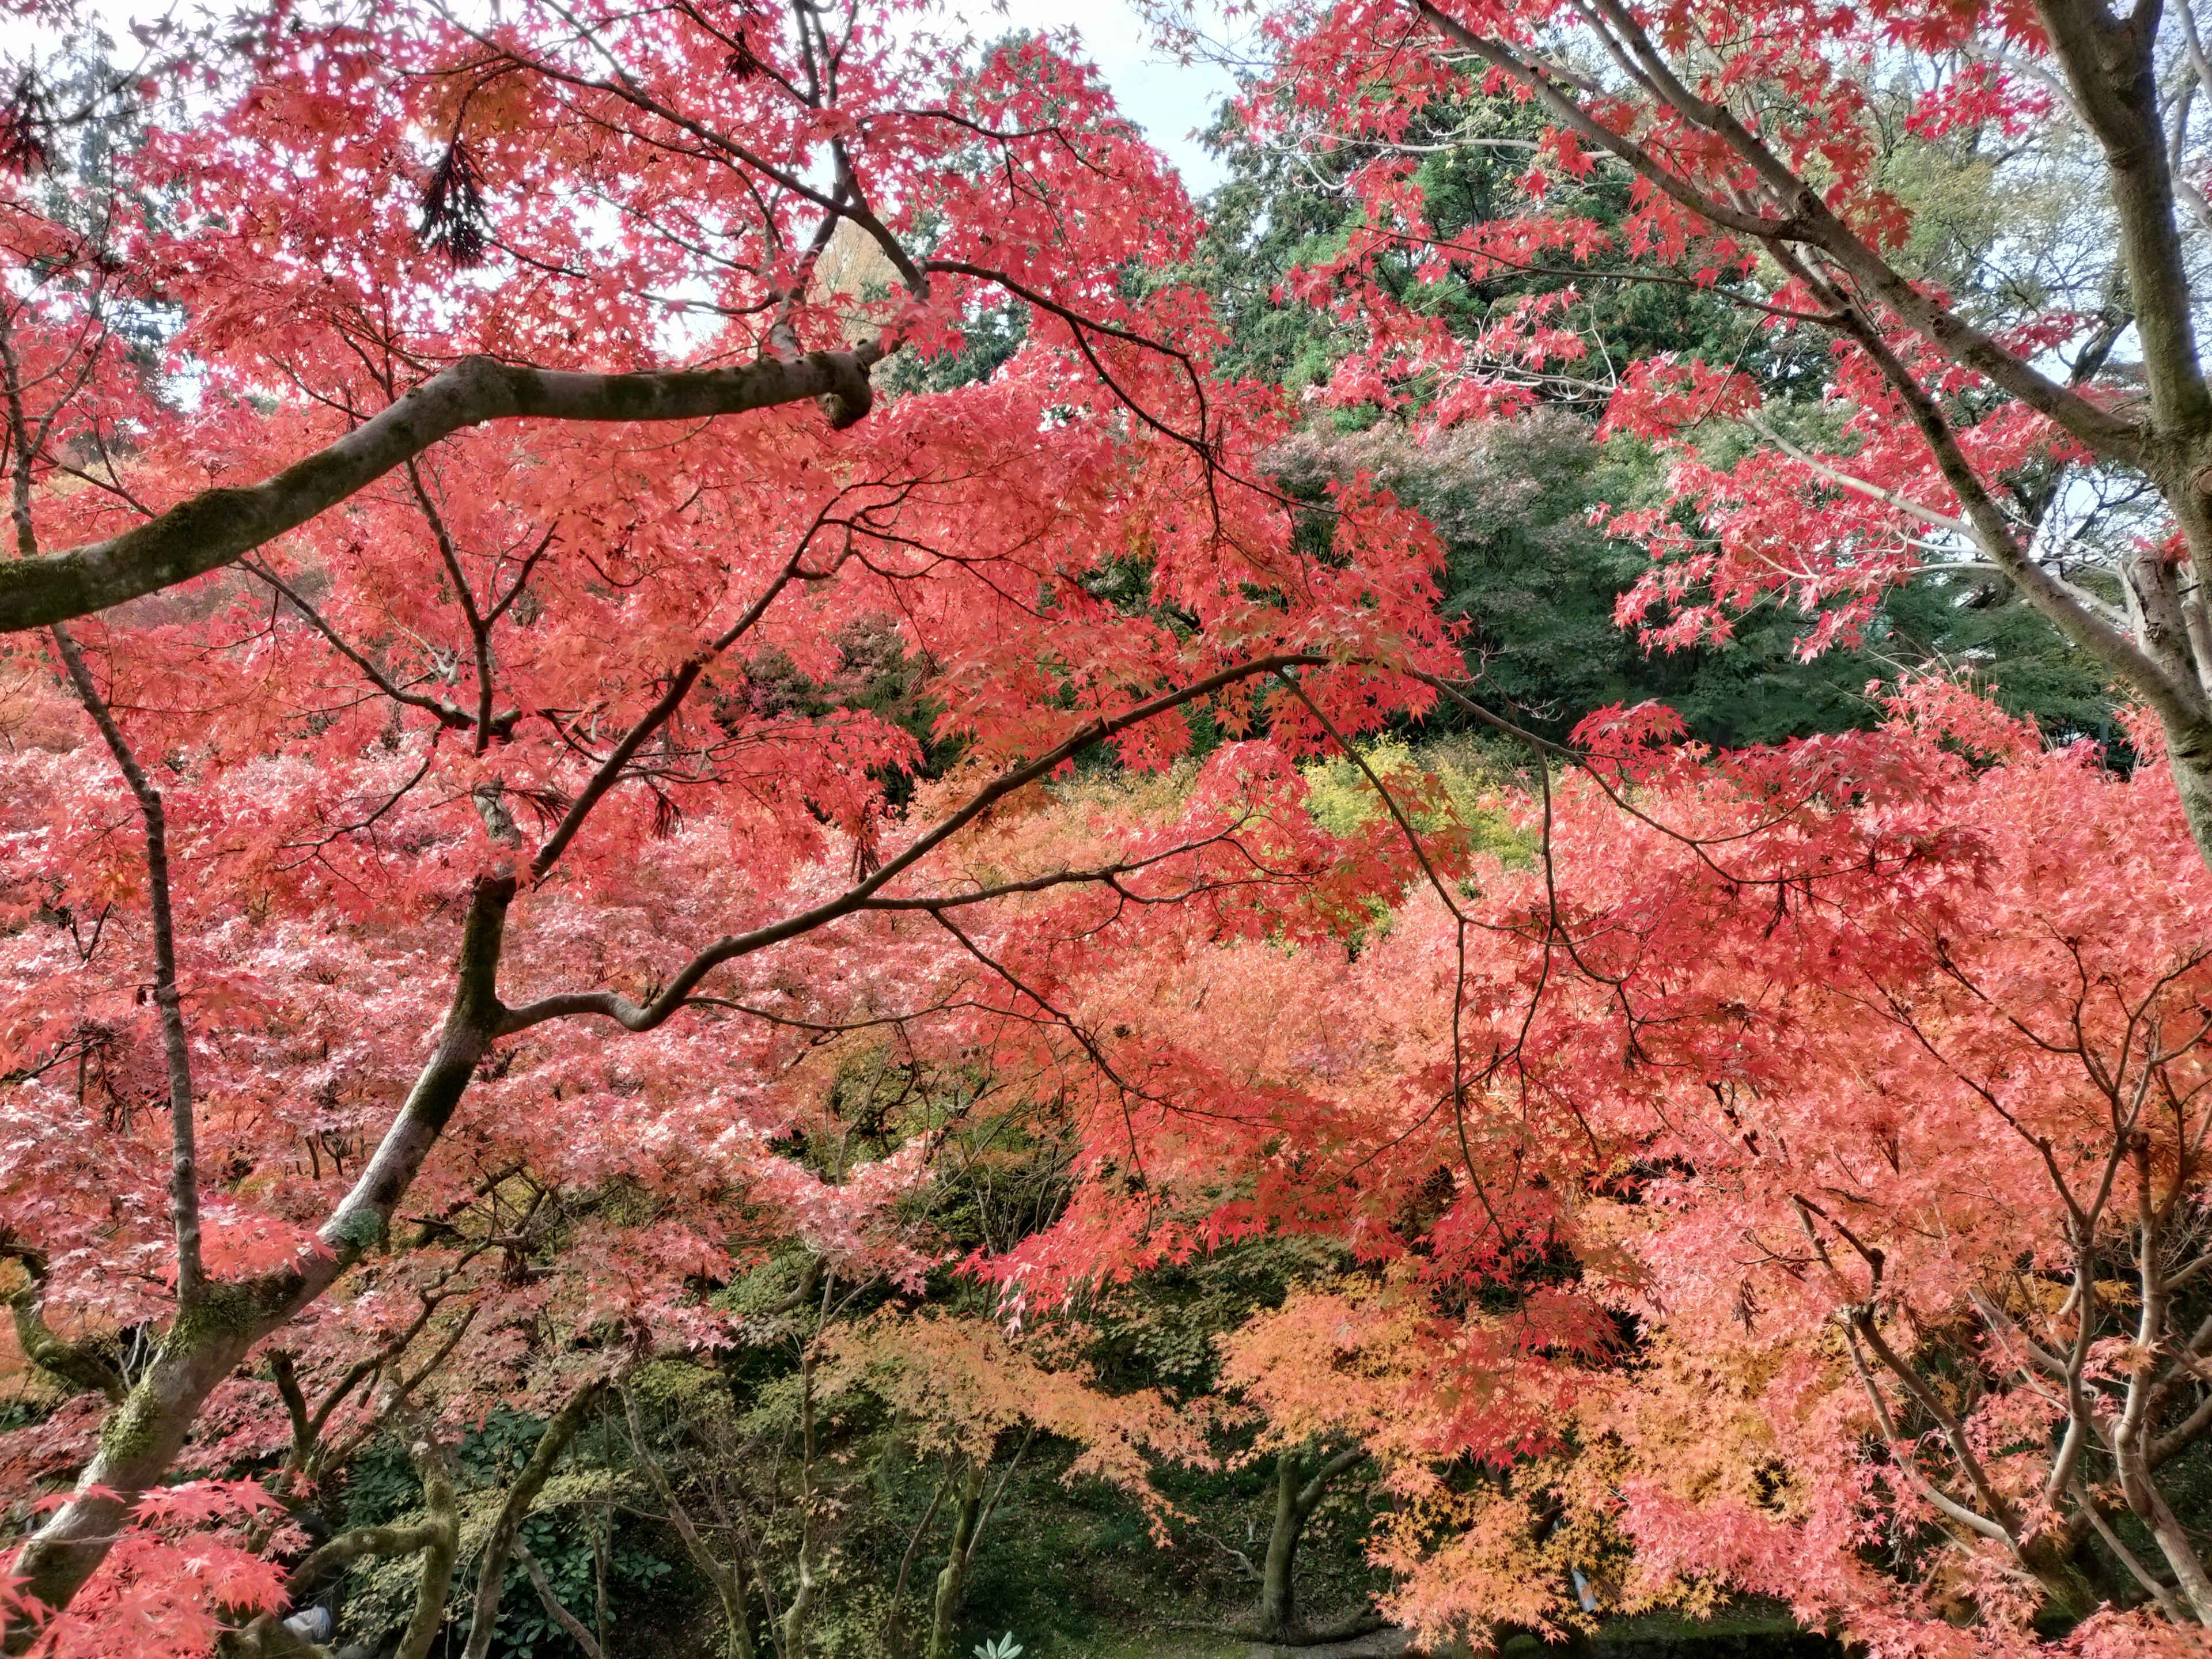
[(2110, 71), (147, 1430), (1310, 1494), (73, 1363), (2159, 1592), (217, 526), (2178, 702), (441, 1549)]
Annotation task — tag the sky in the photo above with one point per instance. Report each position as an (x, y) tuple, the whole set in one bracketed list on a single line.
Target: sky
[(1169, 100)]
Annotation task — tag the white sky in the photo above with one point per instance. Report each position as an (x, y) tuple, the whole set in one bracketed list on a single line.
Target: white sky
[(1169, 100)]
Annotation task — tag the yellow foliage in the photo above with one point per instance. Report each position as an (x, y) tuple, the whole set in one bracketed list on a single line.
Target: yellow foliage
[(959, 1384)]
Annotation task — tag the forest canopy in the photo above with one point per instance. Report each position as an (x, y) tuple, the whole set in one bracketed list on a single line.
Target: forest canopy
[(787, 870)]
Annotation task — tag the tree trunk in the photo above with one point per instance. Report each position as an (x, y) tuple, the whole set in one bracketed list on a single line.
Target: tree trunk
[(793, 1627), (445, 1547), (2189, 758), (211, 1333), (1278, 1591), (955, 1564), (2151, 1508), (1294, 1505)]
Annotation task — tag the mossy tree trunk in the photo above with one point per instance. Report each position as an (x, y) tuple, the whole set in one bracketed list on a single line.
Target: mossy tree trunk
[(1295, 1503), (966, 1522), (215, 1327)]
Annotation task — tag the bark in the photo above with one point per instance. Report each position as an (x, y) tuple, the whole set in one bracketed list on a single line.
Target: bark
[(946, 1605), (899, 1640), (2189, 758), (1800, 218), (1278, 1588), (203, 1345), (208, 1338), (791, 1628), (2157, 1592), (2151, 1508), (265, 1638), (438, 1555), (559, 1615), (219, 527), (437, 1538), (1294, 1503), (73, 1363), (183, 1167), (2108, 62), (2130, 1433), (1277, 1620)]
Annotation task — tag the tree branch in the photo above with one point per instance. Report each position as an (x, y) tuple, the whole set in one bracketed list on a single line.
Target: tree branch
[(218, 526), (184, 1165), (636, 1017), (1808, 221), (491, 1572), (559, 1615)]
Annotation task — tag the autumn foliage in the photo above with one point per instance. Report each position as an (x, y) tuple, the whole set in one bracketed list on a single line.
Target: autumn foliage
[(457, 862), (1853, 1159)]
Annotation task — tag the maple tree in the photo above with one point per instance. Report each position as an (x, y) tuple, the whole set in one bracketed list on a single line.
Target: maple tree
[(1781, 1174), (454, 881), (1300, 1484), (960, 1385), (428, 854), (2044, 419)]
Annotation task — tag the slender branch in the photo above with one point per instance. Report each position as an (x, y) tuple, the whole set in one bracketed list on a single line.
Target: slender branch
[(2126, 1557), (448, 714), (728, 1582), (636, 1017), (491, 1572), (1807, 220), (183, 1165), (559, 1615), (2180, 703)]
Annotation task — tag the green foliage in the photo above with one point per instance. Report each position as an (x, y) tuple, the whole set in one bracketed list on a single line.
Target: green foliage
[(1076, 1572), (1160, 1329), (1341, 797), (580, 1512), (1279, 211), (1533, 582), (875, 674), (1535, 585), (379, 1485), (989, 336), (567, 1551)]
